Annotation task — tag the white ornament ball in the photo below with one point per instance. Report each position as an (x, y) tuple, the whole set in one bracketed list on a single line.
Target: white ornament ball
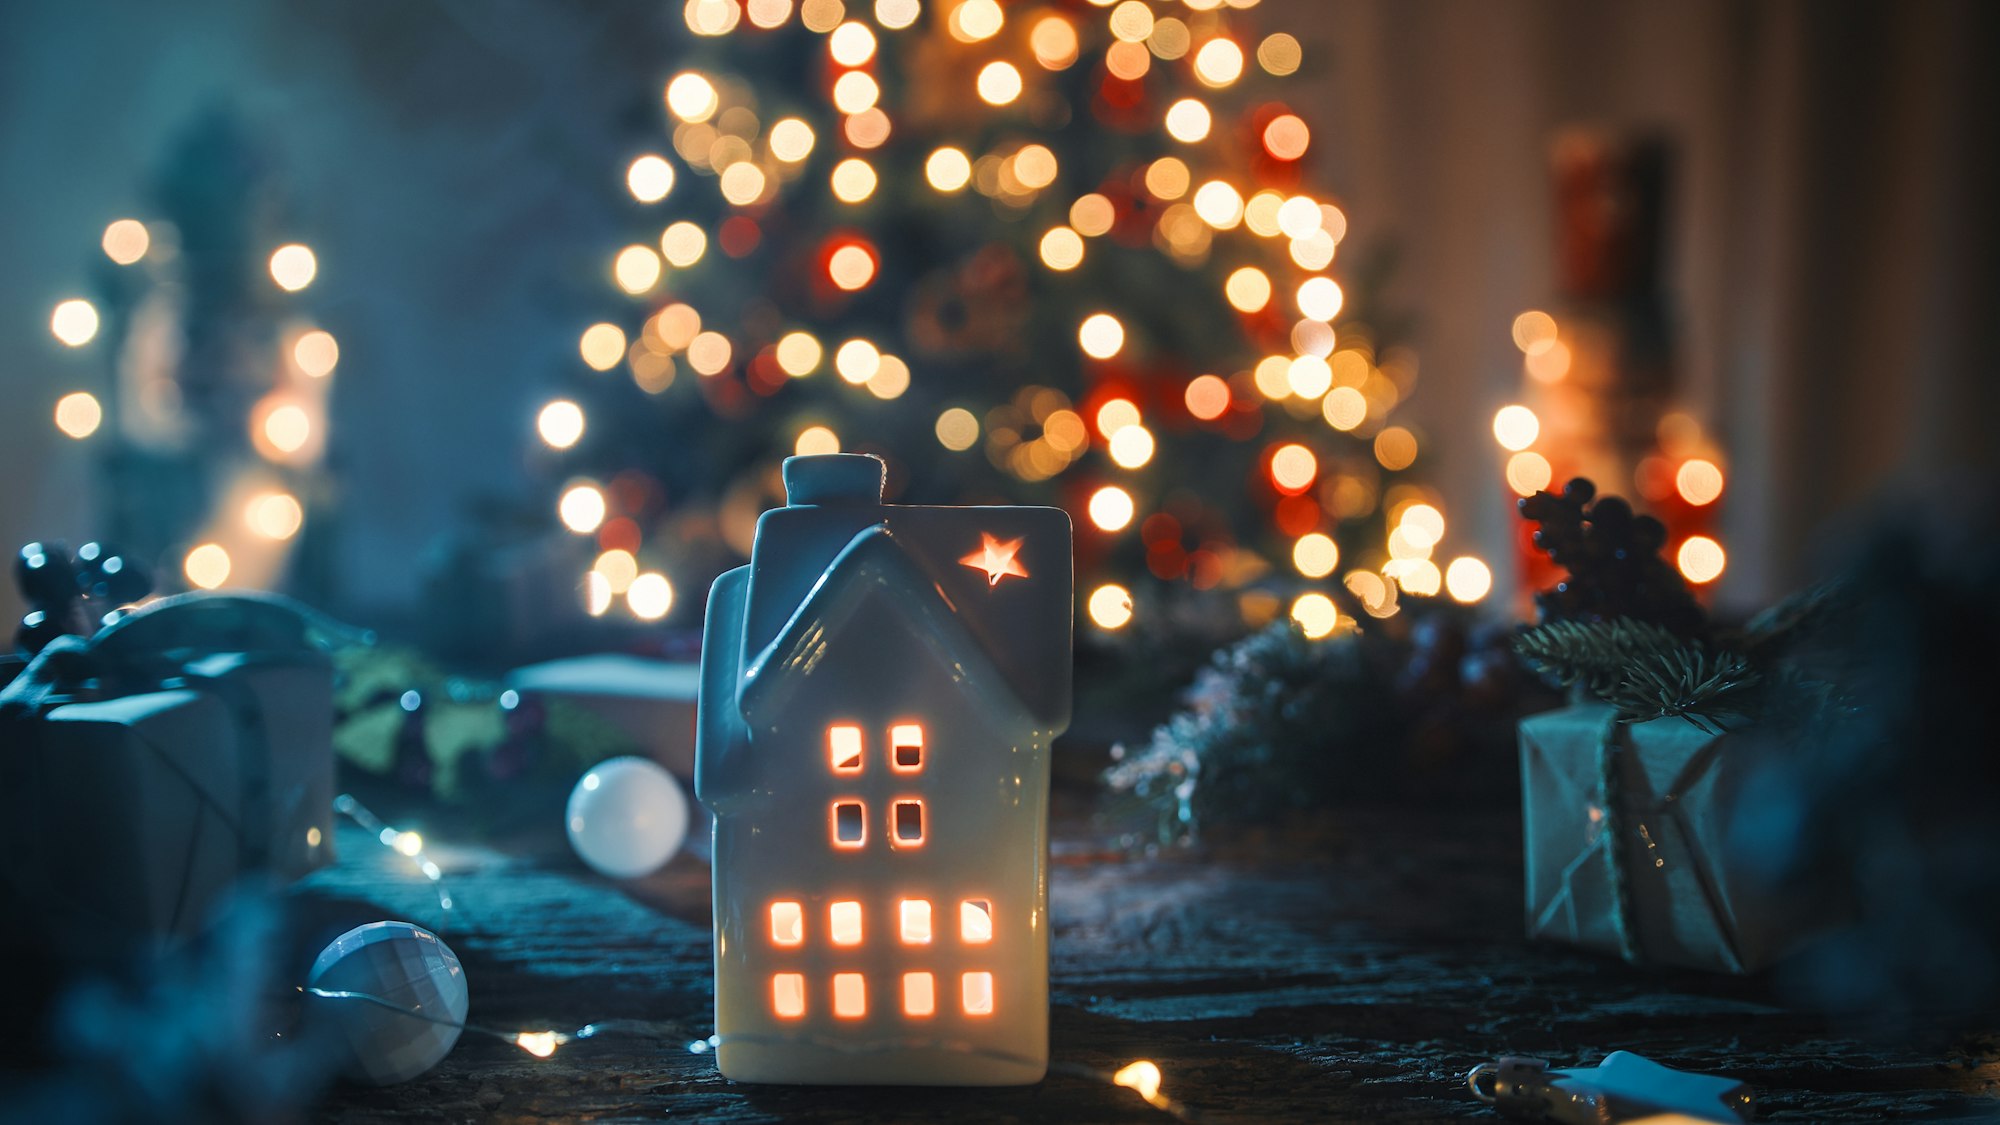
[(627, 817), (408, 966)]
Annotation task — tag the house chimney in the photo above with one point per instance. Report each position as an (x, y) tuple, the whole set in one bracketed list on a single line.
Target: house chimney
[(834, 478)]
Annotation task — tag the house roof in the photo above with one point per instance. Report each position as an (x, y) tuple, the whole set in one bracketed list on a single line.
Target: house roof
[(1019, 625), (873, 567)]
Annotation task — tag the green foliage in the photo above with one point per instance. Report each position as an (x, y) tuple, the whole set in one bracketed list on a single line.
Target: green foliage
[(1643, 670)]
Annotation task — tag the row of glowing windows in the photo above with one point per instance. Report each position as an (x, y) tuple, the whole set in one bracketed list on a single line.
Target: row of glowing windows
[(850, 822), (906, 748), (913, 922), (850, 994)]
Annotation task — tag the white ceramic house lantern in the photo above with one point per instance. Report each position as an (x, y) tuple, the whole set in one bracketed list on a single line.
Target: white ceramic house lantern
[(879, 689)]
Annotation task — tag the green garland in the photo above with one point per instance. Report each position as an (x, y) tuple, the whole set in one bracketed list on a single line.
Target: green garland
[(1642, 670)]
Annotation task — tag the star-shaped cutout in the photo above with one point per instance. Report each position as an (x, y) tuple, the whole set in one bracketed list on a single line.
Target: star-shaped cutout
[(996, 558)]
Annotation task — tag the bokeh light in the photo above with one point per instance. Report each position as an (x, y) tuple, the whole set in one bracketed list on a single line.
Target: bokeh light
[(853, 180), (1188, 121), (1534, 332), (650, 178), (1111, 508), (791, 140), (1062, 249), (619, 567), (1286, 137), (650, 596), (815, 440), (1516, 427), (999, 83), (287, 428), (1293, 468), (74, 322), (799, 354), (1315, 554), (1316, 615), (1279, 54), (207, 566), (958, 429), (1248, 289), (636, 269), (1320, 298), (850, 267), (126, 241), (1528, 473), (78, 414), (1395, 448), (581, 508), (1054, 42), (602, 346), (1701, 559), (1219, 205), (1110, 606), (560, 424), (1699, 481), (293, 267), (682, 244), (316, 353), (1219, 62), (856, 361), (1207, 397), (975, 20), (274, 515), (948, 169), (1131, 447), (1101, 335), (851, 44), (1467, 579), (692, 98)]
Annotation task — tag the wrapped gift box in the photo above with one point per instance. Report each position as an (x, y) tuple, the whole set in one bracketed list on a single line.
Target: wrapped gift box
[(1623, 826), (147, 769), (121, 816)]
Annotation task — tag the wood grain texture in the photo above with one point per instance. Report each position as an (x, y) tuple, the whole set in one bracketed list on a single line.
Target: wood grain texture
[(1356, 981)]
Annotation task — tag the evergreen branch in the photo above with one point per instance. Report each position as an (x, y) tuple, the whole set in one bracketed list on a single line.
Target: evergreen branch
[(1641, 669)]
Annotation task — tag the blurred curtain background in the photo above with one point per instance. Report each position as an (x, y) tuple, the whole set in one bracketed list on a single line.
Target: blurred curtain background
[(455, 164)]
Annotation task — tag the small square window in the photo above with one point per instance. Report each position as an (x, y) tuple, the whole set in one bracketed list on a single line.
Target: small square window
[(906, 747), (843, 923), (788, 923), (908, 824), (975, 921), (850, 996), (977, 993), (919, 994), (788, 995), (843, 747), (916, 921), (850, 824)]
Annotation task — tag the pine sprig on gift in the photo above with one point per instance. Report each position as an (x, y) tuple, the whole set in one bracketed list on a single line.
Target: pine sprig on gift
[(1641, 669)]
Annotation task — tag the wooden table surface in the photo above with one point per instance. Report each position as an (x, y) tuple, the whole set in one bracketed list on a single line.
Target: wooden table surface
[(1353, 981)]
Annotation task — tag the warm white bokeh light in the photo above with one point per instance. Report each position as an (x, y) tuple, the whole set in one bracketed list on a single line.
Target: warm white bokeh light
[(207, 566), (1111, 508), (293, 267), (74, 322), (560, 424), (78, 414), (1110, 606)]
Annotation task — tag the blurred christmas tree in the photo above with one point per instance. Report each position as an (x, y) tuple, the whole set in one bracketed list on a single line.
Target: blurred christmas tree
[(1057, 253), (209, 417)]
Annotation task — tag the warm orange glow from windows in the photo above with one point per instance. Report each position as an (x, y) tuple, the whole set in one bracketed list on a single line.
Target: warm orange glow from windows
[(996, 557), (788, 923), (975, 921), (907, 822), (843, 745), (915, 917), (843, 923), (850, 824), (850, 996), (788, 995), (919, 994), (906, 747), (977, 989)]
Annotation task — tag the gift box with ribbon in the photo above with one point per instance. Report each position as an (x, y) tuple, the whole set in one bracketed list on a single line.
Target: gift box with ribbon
[(148, 768), (1623, 825)]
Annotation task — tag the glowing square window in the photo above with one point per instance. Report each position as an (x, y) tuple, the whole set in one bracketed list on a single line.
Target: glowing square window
[(788, 995), (843, 747), (850, 824), (975, 921), (788, 923), (907, 822), (976, 990), (843, 923), (916, 921), (919, 994), (850, 996), (906, 747)]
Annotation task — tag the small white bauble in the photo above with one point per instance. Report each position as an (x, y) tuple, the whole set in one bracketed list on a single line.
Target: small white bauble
[(627, 817), (409, 967)]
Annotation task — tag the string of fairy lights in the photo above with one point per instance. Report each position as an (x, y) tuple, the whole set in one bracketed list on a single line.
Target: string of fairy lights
[(1205, 202), (258, 510), (1142, 1076)]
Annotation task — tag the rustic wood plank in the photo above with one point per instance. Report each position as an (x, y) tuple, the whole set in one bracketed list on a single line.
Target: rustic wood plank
[(1356, 983)]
